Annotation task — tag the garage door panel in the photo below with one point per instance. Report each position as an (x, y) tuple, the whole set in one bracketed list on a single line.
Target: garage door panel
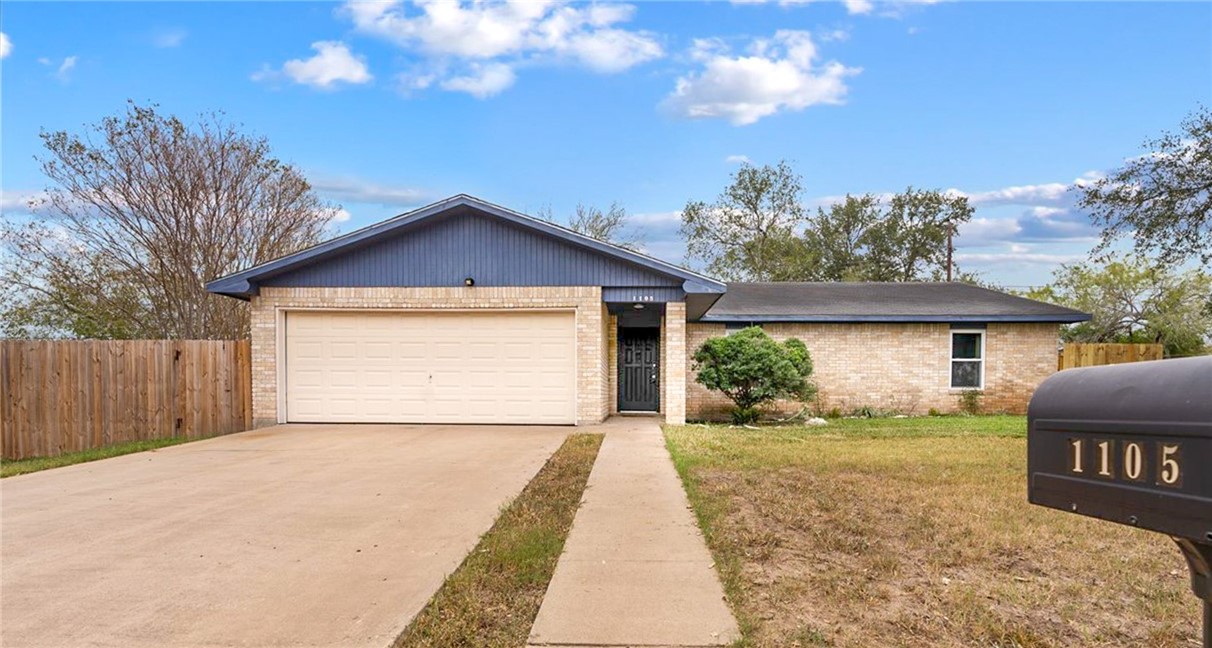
[(482, 367)]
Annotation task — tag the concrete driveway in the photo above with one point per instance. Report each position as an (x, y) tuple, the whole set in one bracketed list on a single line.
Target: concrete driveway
[(317, 535)]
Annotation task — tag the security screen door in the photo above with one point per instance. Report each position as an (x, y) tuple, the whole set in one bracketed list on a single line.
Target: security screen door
[(639, 369)]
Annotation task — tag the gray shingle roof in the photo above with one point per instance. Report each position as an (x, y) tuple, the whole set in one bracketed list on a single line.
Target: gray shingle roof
[(879, 302)]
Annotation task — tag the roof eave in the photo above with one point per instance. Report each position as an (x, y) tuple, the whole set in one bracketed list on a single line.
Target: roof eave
[(1059, 318)]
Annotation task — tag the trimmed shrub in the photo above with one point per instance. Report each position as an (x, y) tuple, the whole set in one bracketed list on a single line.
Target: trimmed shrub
[(752, 370)]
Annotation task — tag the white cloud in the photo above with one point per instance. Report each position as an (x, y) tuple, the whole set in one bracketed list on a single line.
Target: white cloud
[(6, 46), (778, 74), (983, 230), (834, 35), (1051, 192), (738, 159), (613, 50), (889, 8), (340, 215), (167, 38), (332, 65), (358, 191), (656, 218), (475, 47), (20, 202), (483, 80), (64, 71), (1016, 255), (858, 6)]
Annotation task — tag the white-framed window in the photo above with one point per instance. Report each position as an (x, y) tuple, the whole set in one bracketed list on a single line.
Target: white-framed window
[(967, 359)]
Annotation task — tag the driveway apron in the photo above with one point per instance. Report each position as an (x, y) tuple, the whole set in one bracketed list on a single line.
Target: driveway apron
[(297, 535)]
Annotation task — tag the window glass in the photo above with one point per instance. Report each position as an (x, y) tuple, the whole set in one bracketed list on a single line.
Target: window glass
[(965, 374), (966, 345)]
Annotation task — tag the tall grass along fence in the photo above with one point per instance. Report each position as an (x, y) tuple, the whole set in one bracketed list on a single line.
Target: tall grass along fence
[(1093, 354), (65, 396)]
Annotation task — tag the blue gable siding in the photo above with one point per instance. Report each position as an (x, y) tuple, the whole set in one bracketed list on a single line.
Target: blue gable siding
[(446, 249)]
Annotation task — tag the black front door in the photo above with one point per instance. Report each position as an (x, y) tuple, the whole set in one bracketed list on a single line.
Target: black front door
[(639, 369)]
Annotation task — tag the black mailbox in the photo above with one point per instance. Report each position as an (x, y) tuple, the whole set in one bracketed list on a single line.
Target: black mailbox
[(1131, 443), (1128, 443)]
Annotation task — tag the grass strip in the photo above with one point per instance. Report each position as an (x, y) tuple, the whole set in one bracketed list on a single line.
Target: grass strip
[(34, 464), (494, 596)]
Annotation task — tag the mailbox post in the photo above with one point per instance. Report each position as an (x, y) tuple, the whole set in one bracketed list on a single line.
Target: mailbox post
[(1132, 444)]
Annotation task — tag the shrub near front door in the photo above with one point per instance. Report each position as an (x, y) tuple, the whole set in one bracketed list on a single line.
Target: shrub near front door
[(752, 370)]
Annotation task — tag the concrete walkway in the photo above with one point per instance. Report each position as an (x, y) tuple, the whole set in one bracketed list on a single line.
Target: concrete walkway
[(635, 570)]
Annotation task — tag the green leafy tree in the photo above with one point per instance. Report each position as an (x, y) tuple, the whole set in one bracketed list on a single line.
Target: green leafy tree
[(909, 242), (1132, 301), (752, 369), (1162, 199), (864, 238), (840, 236), (752, 230), (84, 297), (759, 230)]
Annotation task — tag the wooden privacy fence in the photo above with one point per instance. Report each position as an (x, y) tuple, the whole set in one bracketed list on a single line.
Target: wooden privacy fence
[(1093, 354), (63, 396)]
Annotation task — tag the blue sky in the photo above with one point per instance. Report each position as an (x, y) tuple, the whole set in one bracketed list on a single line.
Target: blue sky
[(386, 106)]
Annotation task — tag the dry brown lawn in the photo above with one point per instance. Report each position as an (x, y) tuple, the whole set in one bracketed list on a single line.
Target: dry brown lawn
[(917, 532)]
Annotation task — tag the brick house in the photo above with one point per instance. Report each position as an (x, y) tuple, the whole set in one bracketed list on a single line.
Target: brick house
[(467, 312)]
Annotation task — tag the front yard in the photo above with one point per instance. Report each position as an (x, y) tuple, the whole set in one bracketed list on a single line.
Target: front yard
[(912, 532)]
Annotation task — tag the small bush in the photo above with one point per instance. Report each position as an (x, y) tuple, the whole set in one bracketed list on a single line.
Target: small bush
[(970, 401), (752, 369), (934, 412), (745, 415), (835, 413)]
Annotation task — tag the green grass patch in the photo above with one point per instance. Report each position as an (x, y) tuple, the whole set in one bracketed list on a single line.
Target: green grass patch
[(494, 596), (35, 464), (781, 445)]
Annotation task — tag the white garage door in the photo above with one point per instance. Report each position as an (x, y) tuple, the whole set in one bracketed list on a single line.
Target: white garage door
[(425, 367)]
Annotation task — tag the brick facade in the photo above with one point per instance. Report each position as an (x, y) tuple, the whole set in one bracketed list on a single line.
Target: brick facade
[(612, 364), (593, 401), (673, 352), (898, 367), (893, 367)]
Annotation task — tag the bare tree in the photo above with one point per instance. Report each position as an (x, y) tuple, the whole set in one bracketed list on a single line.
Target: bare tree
[(143, 211), (611, 226)]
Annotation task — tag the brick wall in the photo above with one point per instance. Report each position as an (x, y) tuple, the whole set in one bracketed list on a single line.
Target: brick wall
[(605, 366), (612, 364), (591, 317), (902, 367), (673, 350)]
